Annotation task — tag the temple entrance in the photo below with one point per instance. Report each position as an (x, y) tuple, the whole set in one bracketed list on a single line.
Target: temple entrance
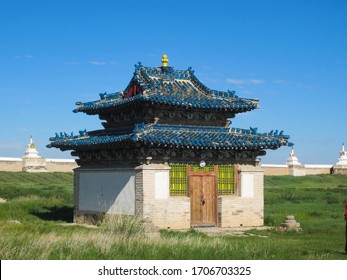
[(203, 199)]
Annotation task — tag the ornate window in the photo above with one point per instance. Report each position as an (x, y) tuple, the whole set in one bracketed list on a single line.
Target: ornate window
[(178, 179), (226, 179)]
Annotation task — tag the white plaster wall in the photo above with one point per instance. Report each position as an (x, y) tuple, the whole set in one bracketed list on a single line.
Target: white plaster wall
[(11, 164), (110, 192), (247, 185), (162, 185), (52, 165)]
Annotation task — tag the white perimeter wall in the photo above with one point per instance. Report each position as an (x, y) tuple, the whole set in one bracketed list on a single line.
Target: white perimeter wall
[(300, 170), (52, 165)]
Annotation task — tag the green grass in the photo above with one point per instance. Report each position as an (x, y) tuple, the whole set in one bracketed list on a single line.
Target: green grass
[(34, 224)]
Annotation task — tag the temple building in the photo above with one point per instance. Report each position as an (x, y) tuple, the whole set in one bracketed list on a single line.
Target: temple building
[(168, 154)]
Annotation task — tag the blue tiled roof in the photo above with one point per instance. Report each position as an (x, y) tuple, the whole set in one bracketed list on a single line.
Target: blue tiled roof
[(161, 135), (166, 86)]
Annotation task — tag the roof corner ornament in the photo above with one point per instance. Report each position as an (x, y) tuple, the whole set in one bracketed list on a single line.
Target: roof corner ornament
[(164, 61), (137, 67)]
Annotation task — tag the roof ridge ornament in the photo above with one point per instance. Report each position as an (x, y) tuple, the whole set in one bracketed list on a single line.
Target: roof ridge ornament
[(164, 61), (137, 67)]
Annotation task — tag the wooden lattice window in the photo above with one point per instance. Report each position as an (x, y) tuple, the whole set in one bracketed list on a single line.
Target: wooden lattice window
[(226, 179), (178, 179)]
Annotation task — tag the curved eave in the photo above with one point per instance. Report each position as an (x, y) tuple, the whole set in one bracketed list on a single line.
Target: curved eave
[(211, 139), (186, 137), (89, 143), (221, 104)]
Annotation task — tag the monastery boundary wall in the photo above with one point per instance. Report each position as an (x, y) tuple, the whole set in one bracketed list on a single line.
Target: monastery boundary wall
[(67, 165), (52, 165), (306, 169)]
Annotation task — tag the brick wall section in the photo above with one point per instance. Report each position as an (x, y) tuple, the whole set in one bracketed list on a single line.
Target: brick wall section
[(235, 211), (139, 192), (172, 212)]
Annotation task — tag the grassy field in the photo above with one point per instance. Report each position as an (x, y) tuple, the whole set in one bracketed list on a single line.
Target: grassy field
[(34, 224)]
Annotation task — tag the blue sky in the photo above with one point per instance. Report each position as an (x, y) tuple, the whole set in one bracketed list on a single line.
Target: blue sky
[(292, 55)]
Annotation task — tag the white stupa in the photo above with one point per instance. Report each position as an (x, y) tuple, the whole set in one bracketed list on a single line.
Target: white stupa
[(342, 160), (32, 162), (295, 167), (340, 167), (31, 151), (293, 159)]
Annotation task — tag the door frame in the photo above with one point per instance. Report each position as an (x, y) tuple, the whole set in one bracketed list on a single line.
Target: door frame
[(214, 174)]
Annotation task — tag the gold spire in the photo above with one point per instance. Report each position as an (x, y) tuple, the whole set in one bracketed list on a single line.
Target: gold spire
[(164, 60), (31, 144)]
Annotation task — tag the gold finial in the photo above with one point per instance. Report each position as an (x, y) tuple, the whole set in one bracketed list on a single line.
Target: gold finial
[(31, 145), (164, 60)]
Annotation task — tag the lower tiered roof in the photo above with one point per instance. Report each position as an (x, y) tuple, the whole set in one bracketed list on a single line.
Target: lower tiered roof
[(178, 136)]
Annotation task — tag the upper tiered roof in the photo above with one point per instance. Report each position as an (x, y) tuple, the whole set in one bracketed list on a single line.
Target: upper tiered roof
[(168, 89), (166, 86)]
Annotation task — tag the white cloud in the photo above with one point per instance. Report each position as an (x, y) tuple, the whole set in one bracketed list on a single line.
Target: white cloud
[(256, 81), (282, 82), (114, 63), (97, 62), (25, 56), (235, 82), (209, 80), (246, 81)]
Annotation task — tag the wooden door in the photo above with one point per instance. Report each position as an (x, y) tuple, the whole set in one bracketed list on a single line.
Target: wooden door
[(203, 199)]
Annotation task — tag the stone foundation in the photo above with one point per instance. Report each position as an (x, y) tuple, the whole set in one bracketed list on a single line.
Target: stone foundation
[(34, 164), (340, 169)]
